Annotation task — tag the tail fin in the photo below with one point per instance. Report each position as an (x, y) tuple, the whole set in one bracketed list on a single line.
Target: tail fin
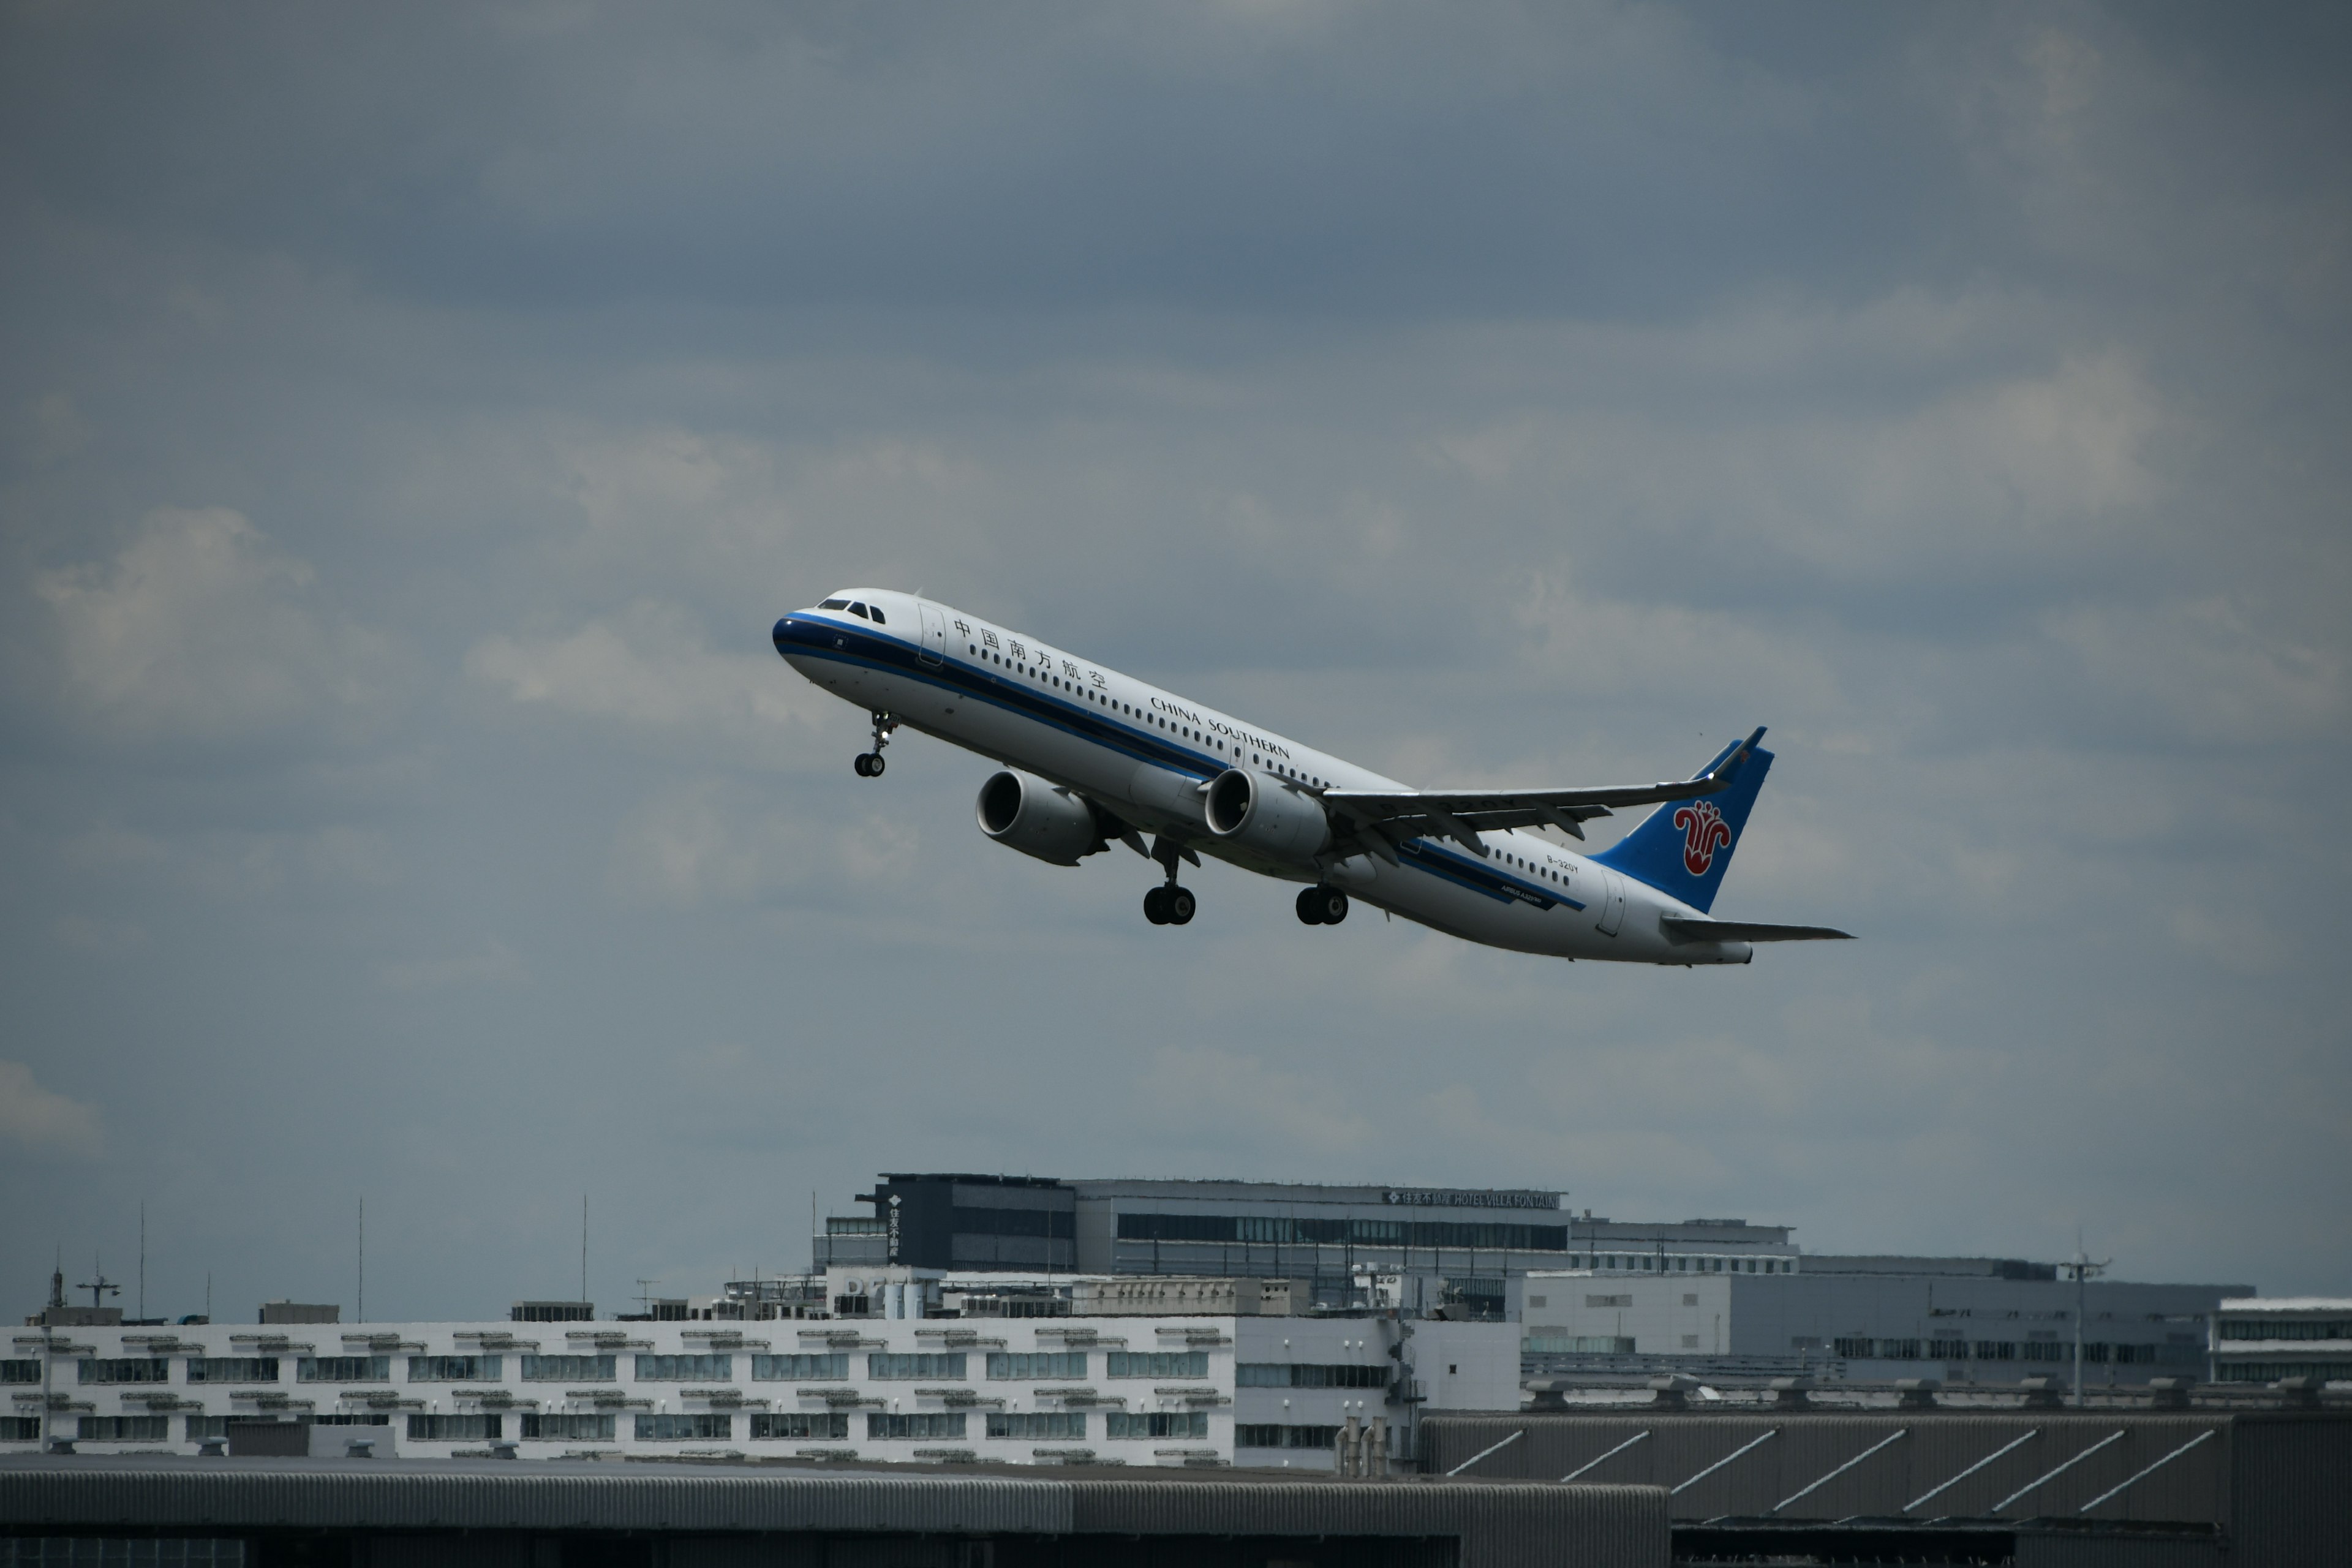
[(1684, 846)]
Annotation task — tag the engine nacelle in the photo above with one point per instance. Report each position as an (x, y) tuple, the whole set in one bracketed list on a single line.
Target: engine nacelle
[(1024, 812), (1255, 811)]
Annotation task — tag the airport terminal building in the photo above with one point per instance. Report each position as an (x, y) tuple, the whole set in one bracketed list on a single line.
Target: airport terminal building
[(1590, 1294), (1132, 1387)]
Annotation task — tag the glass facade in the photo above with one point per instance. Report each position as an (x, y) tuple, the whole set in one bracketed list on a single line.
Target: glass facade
[(799, 1368), (570, 1369), (686, 1369)]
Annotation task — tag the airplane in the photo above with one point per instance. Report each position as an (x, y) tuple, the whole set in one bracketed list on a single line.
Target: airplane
[(1089, 757)]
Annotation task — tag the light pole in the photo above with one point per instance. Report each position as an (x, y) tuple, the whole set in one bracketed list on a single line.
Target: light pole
[(2083, 1268)]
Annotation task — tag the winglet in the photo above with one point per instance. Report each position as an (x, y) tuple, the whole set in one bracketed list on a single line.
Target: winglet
[(1728, 768)]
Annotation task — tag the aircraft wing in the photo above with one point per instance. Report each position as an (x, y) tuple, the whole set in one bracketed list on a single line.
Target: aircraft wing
[(1460, 814), (1683, 928)]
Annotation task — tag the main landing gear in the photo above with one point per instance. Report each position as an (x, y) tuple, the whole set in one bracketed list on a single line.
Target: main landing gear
[(869, 764), (1322, 905), (1168, 904)]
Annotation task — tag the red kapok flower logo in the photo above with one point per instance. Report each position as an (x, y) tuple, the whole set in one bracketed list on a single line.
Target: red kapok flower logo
[(1704, 832)]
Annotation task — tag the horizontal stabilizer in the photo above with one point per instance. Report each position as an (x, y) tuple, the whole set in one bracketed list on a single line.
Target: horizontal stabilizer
[(1683, 928)]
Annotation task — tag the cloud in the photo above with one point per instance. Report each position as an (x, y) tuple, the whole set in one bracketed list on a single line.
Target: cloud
[(1232, 1098), (648, 667), (712, 841), (198, 631), (36, 1121), (491, 963)]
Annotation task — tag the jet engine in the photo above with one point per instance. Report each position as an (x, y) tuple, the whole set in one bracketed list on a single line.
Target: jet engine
[(1025, 813), (1254, 810)]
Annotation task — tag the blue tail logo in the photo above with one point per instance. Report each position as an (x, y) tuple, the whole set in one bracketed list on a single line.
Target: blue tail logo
[(1684, 848)]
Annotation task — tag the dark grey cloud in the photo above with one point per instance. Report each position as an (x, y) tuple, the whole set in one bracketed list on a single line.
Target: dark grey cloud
[(412, 420)]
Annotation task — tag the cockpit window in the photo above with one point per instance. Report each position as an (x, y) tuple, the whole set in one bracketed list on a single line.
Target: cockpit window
[(858, 610), (879, 618), (835, 604)]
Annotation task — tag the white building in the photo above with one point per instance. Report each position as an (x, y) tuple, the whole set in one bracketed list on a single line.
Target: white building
[(1955, 1320), (1180, 1390), (2264, 1339)]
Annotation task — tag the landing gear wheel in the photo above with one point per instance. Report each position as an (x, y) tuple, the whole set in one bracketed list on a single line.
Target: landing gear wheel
[(1179, 904), (869, 766), (1155, 906), (1322, 905)]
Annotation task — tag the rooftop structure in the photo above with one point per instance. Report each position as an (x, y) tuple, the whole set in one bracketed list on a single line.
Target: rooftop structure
[(2153, 1486), (165, 1509)]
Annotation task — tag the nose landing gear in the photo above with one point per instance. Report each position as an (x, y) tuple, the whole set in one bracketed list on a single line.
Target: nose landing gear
[(869, 764), (1168, 904), (1322, 905)]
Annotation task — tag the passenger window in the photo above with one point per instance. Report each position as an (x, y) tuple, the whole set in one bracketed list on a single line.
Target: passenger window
[(859, 611)]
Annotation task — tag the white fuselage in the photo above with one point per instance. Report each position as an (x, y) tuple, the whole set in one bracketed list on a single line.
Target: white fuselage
[(1145, 755)]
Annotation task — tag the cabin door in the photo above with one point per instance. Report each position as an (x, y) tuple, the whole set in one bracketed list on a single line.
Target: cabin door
[(935, 634), (1612, 902)]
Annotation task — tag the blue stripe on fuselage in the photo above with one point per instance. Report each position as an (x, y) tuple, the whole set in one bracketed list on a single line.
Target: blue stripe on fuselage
[(1500, 886), (817, 638), (848, 644)]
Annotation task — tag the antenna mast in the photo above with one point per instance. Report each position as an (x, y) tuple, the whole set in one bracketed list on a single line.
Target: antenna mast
[(2084, 1269)]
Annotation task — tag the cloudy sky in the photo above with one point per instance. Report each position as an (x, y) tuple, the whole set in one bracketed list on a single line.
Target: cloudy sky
[(412, 418)]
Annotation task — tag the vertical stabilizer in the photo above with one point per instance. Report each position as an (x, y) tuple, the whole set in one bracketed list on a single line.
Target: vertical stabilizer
[(1684, 846)]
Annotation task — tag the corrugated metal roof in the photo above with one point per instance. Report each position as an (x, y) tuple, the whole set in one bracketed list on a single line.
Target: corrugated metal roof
[(1832, 1465), (1498, 1525)]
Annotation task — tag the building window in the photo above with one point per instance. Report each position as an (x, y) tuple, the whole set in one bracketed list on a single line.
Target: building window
[(1307, 1374), (789, 1425), (1538, 1301), (686, 1369), (1857, 1350), (1994, 1350), (1542, 1343), (703, 1427), (124, 1429), (799, 1368), (1044, 1364), (555, 1428), (2283, 1329), (457, 1368), (455, 1428), (20, 1370), (232, 1369), (570, 1369), (898, 1366), (2271, 1371), (882, 1426), (1690, 1341), (1274, 1435), (135, 1369), (1156, 1363), (1120, 1423), (1485, 1236), (342, 1369), (1054, 1426), (20, 1429), (2046, 1350)]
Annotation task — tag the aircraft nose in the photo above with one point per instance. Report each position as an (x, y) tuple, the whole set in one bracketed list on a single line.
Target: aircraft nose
[(782, 635)]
